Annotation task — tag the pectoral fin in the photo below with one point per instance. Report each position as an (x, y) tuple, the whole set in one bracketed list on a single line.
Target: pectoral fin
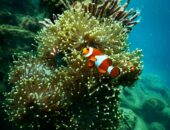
[(90, 63), (101, 70), (92, 59)]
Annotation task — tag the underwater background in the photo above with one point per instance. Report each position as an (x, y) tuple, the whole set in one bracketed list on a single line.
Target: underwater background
[(147, 104), (152, 35)]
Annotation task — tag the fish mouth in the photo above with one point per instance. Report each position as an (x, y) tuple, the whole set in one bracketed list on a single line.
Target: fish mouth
[(85, 51)]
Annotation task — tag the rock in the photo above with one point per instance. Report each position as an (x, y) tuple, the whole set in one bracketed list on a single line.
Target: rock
[(129, 120), (166, 113), (166, 117), (155, 84), (153, 104), (156, 126), (152, 109)]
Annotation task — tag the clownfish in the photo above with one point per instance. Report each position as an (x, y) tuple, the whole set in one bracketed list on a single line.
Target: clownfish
[(101, 61)]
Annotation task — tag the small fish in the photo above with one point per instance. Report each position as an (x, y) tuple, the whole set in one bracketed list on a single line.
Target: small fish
[(54, 51), (101, 61), (132, 68)]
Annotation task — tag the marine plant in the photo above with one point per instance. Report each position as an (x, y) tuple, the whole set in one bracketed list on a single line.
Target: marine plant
[(55, 88)]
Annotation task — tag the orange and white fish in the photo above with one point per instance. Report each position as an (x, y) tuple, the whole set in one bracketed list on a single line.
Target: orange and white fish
[(101, 61)]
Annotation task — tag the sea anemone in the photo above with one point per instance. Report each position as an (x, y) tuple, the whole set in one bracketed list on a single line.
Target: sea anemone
[(34, 101), (55, 88)]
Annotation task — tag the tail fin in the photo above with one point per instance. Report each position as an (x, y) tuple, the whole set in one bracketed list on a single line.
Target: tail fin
[(113, 71)]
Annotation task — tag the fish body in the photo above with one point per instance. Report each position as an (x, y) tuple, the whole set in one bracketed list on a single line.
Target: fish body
[(101, 61)]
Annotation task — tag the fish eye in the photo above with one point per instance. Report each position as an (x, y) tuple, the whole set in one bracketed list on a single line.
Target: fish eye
[(87, 48)]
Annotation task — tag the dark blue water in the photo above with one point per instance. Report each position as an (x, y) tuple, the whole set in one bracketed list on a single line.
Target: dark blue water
[(152, 34)]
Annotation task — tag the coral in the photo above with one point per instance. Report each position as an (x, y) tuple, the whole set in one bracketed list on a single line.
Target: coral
[(113, 9), (55, 89), (52, 6), (8, 35), (8, 18), (22, 6), (14, 31), (30, 23), (18, 25)]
